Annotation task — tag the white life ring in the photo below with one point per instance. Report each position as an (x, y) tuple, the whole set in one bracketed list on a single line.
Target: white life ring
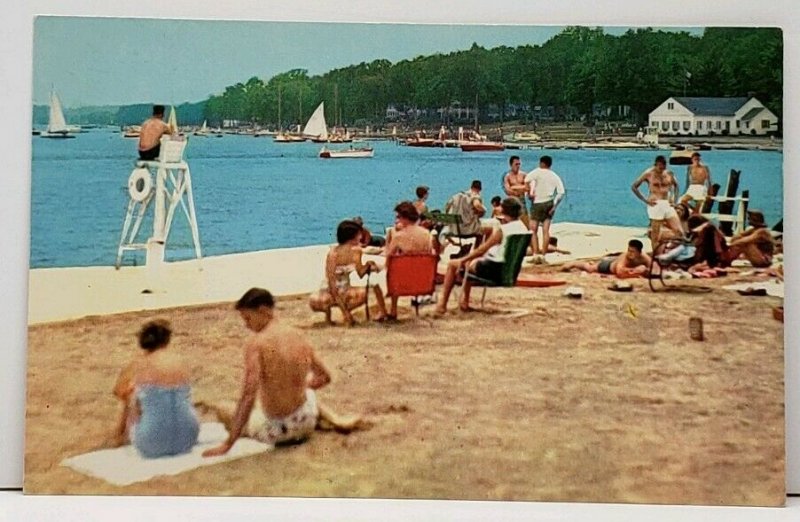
[(140, 184)]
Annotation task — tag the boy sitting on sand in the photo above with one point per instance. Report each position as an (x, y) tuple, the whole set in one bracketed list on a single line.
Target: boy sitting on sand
[(631, 263), (282, 370)]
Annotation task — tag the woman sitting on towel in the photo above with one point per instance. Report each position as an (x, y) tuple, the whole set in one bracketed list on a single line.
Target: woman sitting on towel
[(157, 416), (343, 259)]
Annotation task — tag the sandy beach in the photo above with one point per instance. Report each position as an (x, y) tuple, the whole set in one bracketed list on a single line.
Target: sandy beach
[(604, 399)]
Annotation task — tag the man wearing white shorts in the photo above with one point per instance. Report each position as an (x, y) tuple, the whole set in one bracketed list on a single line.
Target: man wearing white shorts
[(663, 196), (698, 183)]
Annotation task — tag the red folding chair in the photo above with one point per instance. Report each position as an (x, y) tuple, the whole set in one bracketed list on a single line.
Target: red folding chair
[(411, 275)]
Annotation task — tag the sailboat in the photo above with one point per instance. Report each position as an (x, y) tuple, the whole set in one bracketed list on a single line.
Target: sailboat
[(316, 128), (172, 121), (203, 131), (57, 125)]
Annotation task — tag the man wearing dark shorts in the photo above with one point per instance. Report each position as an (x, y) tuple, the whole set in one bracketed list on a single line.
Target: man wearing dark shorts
[(150, 135), (631, 263), (487, 260), (546, 190)]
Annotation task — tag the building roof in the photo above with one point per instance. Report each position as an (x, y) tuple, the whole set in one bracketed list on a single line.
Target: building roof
[(752, 113), (712, 106)]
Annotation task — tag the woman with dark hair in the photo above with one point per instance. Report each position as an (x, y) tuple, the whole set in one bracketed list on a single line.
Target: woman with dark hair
[(343, 259), (157, 415)]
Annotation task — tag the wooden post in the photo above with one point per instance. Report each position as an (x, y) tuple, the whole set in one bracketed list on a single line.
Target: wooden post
[(709, 203), (726, 207)]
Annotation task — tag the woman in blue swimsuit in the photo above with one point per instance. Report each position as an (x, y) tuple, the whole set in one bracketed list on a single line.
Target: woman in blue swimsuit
[(157, 416)]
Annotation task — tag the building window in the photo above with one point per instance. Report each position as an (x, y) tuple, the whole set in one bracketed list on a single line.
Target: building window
[(719, 124), (747, 125), (699, 125), (675, 125), (687, 125), (765, 124), (665, 125), (670, 106), (737, 123)]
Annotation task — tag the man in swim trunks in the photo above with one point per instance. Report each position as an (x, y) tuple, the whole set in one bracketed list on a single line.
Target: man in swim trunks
[(698, 183), (514, 185), (663, 196), (756, 243), (150, 135), (631, 263), (282, 371)]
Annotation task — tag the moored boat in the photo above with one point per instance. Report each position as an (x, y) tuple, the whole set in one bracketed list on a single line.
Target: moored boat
[(482, 146), (352, 152), (57, 125)]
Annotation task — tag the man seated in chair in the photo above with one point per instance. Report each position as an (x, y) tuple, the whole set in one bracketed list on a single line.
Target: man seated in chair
[(152, 131), (469, 207), (409, 238), (487, 260)]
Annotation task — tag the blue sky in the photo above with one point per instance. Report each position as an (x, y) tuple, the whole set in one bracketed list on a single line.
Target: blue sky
[(110, 61)]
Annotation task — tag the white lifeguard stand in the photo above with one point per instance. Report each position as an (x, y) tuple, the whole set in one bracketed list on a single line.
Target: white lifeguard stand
[(172, 187)]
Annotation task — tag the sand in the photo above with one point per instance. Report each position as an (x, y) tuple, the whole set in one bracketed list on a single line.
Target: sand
[(604, 399)]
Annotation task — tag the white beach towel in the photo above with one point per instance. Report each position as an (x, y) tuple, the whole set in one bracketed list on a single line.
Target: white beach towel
[(124, 466), (773, 288)]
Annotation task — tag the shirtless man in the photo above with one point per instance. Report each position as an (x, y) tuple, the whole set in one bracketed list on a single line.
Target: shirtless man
[(409, 238), (756, 243), (631, 263), (663, 195), (282, 371), (514, 185), (698, 183), (150, 136)]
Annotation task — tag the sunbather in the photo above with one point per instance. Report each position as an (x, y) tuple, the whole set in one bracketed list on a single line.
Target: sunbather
[(282, 370), (756, 243), (157, 414), (409, 238), (335, 290), (631, 263)]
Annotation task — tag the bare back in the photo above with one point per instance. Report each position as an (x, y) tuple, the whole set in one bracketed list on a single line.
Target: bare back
[(151, 133), (286, 359), (162, 367), (412, 239)]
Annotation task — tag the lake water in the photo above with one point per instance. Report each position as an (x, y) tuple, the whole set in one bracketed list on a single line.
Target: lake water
[(252, 194)]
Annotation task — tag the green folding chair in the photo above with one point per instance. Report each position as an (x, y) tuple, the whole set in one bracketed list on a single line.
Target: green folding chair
[(516, 247), (453, 221)]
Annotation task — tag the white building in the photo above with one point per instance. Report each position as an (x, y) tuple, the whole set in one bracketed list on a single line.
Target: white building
[(679, 116)]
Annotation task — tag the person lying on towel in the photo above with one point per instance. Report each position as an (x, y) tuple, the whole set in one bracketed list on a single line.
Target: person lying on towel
[(631, 263)]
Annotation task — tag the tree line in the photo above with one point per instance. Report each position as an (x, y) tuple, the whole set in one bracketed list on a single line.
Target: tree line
[(570, 73)]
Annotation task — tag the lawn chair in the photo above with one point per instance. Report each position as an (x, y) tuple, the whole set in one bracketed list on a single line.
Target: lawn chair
[(454, 221), (411, 275), (657, 267), (516, 247)]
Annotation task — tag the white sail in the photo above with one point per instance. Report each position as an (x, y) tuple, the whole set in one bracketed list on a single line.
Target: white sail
[(57, 122), (316, 125), (205, 126), (173, 119)]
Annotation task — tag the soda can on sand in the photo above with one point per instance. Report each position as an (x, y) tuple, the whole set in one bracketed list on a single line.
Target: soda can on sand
[(696, 328)]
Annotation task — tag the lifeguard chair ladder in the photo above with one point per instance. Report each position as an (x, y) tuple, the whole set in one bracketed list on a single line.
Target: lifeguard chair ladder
[(172, 187)]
